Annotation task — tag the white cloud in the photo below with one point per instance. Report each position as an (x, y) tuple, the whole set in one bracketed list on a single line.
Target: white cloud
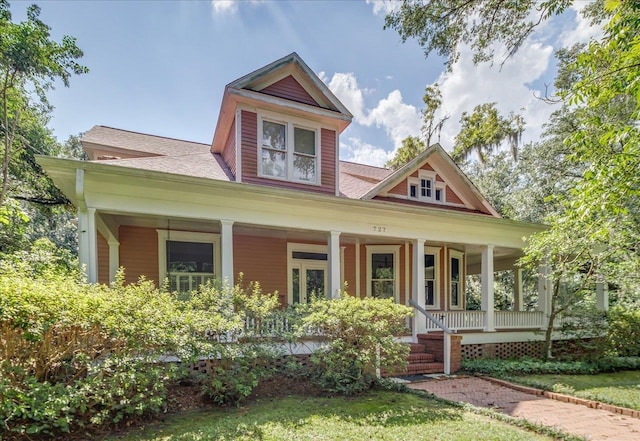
[(583, 31), (383, 7), (355, 150), (225, 6), (468, 85), (345, 87), (397, 118)]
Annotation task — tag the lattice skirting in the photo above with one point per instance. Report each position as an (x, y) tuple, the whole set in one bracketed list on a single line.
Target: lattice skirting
[(503, 351), (206, 366)]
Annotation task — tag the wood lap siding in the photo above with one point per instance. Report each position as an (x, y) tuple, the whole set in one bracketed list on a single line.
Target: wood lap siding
[(249, 152), (288, 88), (350, 268), (402, 189), (264, 260), (453, 198), (139, 253), (229, 151)]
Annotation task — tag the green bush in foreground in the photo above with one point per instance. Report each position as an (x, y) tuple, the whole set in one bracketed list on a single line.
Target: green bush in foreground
[(359, 337)]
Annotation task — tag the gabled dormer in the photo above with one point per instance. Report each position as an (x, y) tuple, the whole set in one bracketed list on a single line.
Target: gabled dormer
[(432, 179), (280, 126)]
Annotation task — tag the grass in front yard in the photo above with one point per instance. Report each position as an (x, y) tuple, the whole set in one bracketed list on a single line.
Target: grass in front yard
[(619, 388), (377, 415)]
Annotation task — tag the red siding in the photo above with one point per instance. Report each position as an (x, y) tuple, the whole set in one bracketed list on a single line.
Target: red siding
[(288, 88), (350, 268), (426, 166), (453, 198), (249, 158), (103, 260), (264, 260), (139, 253), (402, 189), (229, 151)]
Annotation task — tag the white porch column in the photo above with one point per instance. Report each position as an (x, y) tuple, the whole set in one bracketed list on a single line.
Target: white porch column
[(602, 295), (87, 243), (417, 288), (333, 245), (487, 288), (114, 259), (517, 290), (544, 292), (226, 248)]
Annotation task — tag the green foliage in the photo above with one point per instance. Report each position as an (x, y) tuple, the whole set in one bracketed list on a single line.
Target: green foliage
[(505, 368), (484, 130), (356, 331), (443, 26), (410, 149), (623, 334)]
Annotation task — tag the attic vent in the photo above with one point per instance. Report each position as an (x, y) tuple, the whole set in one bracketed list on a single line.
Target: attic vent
[(107, 157)]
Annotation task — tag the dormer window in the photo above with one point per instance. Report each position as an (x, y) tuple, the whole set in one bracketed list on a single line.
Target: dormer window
[(426, 188), (289, 151)]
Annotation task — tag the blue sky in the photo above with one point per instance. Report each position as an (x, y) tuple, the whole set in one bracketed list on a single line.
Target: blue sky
[(160, 67)]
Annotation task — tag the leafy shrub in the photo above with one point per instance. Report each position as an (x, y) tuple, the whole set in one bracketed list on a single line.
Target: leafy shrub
[(525, 366), (230, 322), (355, 331), (624, 331)]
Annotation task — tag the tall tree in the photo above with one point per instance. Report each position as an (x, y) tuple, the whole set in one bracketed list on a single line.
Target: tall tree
[(443, 26), (30, 62), (484, 130), (412, 146)]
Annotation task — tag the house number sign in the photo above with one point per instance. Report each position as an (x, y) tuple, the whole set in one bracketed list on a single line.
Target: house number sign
[(379, 229)]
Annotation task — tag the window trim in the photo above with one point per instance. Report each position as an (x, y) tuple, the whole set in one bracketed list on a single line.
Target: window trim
[(385, 249), (290, 124), (435, 251), (187, 236), (455, 254)]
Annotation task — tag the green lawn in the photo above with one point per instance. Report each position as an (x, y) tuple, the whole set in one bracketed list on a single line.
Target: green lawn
[(619, 388), (374, 416)]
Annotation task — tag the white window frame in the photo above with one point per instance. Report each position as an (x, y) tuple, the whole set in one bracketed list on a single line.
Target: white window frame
[(427, 175), (455, 254), (435, 251), (187, 236), (296, 263), (290, 124), (385, 249)]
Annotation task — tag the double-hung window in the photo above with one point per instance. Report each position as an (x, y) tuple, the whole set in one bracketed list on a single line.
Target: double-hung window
[(426, 188), (383, 266), (431, 271), (188, 259), (289, 151)]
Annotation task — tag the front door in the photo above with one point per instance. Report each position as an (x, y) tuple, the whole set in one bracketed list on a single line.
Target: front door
[(309, 280)]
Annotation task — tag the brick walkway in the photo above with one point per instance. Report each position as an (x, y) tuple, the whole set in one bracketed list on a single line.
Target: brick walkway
[(594, 424)]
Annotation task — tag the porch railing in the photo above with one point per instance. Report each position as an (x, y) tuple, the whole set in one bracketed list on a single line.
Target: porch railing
[(519, 319), (433, 321), (458, 320)]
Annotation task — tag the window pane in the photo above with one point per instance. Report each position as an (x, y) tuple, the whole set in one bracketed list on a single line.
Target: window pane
[(315, 283), (413, 191), (382, 289), (455, 269), (438, 195), (274, 163), (189, 257), (304, 168), (455, 299), (429, 266), (429, 293), (273, 135), (382, 266), (304, 141), (296, 285), (308, 256)]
